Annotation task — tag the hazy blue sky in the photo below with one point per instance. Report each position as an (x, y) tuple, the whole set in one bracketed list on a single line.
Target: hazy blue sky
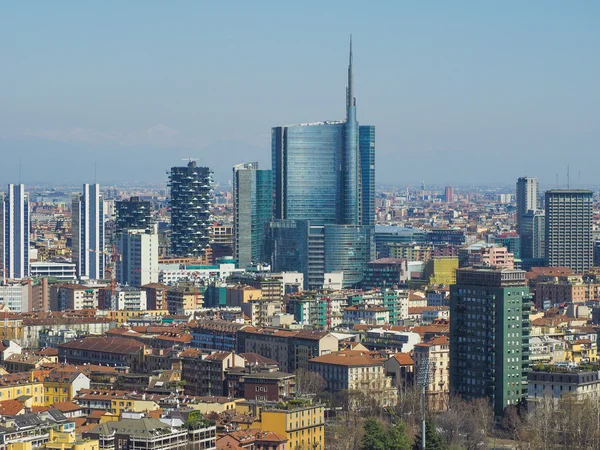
[(459, 91)]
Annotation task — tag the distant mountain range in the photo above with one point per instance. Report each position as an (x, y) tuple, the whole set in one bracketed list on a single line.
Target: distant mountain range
[(49, 161)]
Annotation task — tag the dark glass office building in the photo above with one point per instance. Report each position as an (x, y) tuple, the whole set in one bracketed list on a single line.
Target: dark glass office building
[(324, 173), (133, 214)]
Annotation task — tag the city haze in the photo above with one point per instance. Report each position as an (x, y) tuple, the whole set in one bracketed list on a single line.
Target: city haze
[(459, 93)]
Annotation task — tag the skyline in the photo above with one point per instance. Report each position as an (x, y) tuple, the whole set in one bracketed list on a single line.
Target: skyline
[(474, 86)]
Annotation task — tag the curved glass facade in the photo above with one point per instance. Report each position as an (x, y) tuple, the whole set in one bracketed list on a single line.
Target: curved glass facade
[(324, 173), (348, 249), (307, 160)]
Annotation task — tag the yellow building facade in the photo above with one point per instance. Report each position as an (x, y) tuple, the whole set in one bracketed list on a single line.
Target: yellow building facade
[(440, 271), (35, 390), (304, 427)]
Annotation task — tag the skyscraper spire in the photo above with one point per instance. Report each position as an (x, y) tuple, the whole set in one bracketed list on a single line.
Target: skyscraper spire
[(350, 101)]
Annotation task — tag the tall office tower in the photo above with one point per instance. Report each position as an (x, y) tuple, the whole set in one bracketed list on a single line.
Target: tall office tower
[(252, 212), (191, 200), (133, 214), (88, 232), (533, 230), (569, 229), (324, 173), (527, 197), (449, 194), (137, 264), (489, 335), (14, 233)]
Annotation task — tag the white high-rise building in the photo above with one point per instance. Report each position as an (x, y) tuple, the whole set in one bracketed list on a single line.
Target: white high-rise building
[(527, 197), (137, 263), (88, 232), (14, 233)]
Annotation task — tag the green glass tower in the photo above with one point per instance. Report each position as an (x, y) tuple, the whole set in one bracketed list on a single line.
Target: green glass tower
[(489, 335), (252, 212)]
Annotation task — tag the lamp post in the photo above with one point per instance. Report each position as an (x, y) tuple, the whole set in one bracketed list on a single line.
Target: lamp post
[(423, 379)]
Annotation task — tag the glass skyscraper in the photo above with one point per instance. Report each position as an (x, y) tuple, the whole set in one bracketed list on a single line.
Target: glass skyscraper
[(14, 233), (88, 232), (252, 211), (324, 173)]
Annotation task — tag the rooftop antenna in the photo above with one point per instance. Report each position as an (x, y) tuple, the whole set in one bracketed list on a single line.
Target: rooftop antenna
[(579, 178), (557, 180), (20, 170), (95, 171), (568, 176)]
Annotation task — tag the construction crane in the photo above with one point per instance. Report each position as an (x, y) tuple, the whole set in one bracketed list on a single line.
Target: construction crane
[(111, 268)]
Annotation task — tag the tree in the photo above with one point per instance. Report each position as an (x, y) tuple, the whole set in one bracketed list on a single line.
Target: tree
[(433, 440), (375, 437), (398, 438), (309, 383), (380, 437)]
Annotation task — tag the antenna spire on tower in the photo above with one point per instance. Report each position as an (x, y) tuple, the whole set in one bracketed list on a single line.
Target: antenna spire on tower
[(350, 100)]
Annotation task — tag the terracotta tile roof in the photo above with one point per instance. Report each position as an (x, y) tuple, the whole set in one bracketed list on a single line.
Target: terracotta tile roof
[(404, 359), (100, 394), (191, 353), (116, 345), (39, 409), (47, 352), (422, 330), (256, 359), (97, 414), (67, 406), (438, 340), (218, 356), (79, 422), (156, 414), (349, 358), (10, 407)]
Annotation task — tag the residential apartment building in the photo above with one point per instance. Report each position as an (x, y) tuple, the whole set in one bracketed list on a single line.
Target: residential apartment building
[(72, 297), (569, 229), (356, 371), (137, 263), (577, 384), (156, 295), (434, 356), (113, 351), (303, 425), (291, 349), (489, 335)]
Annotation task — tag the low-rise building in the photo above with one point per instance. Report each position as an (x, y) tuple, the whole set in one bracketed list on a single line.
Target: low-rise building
[(291, 349), (31, 429), (24, 362), (302, 424), (216, 335), (73, 297), (370, 315), (357, 371), (434, 356), (204, 373), (400, 367), (399, 341), (114, 351), (156, 295), (554, 382), (137, 431), (271, 386)]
